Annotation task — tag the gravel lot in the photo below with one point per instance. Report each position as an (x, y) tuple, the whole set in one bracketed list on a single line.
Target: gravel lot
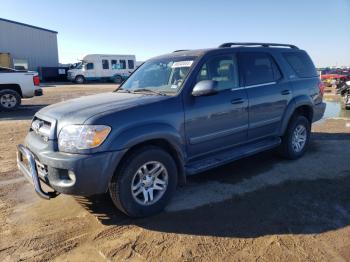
[(261, 208)]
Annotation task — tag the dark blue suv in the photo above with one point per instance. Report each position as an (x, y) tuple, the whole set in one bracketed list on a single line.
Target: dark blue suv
[(177, 115)]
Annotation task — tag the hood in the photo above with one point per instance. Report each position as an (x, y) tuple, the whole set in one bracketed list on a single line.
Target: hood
[(77, 111)]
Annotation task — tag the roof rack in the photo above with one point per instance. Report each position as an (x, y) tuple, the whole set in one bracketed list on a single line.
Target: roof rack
[(180, 50), (258, 44)]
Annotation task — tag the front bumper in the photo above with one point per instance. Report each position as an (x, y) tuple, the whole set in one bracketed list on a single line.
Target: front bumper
[(26, 164), (319, 110), (73, 174)]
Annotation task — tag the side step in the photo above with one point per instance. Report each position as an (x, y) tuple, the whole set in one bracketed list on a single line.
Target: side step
[(231, 154)]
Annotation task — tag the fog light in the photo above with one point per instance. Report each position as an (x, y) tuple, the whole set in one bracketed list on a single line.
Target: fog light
[(71, 176)]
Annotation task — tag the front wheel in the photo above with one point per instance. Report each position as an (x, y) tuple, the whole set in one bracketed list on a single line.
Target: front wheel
[(79, 79), (296, 137), (145, 182)]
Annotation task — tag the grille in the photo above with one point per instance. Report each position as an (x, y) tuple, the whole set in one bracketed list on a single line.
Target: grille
[(41, 127)]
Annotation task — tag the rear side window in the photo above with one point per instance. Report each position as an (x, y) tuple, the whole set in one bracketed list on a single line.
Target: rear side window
[(122, 64), (301, 64), (105, 64), (114, 64), (131, 64), (259, 68)]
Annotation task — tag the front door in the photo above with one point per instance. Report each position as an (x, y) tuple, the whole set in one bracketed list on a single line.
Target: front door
[(219, 121)]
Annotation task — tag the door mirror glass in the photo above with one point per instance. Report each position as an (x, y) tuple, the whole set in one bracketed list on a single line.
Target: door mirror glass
[(205, 88)]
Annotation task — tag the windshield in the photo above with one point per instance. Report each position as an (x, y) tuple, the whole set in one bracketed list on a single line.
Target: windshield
[(163, 75), (76, 65)]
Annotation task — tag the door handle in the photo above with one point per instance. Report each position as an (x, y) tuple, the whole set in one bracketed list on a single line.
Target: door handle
[(286, 92), (237, 101)]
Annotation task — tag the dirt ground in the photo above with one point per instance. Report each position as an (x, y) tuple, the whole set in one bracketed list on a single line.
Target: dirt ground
[(261, 208)]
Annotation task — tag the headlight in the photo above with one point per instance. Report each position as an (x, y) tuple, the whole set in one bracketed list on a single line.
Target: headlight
[(75, 137)]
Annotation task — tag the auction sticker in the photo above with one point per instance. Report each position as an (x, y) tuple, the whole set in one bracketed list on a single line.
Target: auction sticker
[(182, 64)]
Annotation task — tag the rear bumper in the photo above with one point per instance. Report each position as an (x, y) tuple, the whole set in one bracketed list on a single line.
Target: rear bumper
[(73, 174), (319, 110), (38, 92)]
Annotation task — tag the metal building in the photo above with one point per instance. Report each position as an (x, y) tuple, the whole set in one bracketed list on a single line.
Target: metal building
[(29, 46)]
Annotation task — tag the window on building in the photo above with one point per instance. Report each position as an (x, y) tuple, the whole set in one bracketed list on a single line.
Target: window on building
[(131, 64), (105, 64)]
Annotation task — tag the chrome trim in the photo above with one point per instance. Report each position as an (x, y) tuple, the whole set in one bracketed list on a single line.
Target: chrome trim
[(32, 174), (252, 86), (219, 134)]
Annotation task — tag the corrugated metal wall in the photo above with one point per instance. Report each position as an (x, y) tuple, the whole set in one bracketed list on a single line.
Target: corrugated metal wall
[(38, 47)]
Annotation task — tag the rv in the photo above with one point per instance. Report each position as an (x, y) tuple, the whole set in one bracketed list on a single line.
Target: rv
[(96, 67)]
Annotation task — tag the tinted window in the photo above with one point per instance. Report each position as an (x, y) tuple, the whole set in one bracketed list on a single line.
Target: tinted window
[(301, 64), (114, 64), (122, 64), (105, 64), (89, 66), (131, 64), (259, 68), (222, 69)]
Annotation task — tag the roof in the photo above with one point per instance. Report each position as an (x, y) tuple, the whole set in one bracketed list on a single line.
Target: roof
[(31, 26), (230, 46)]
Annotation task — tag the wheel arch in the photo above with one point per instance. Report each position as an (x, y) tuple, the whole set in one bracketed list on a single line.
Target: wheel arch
[(302, 105), (164, 144), (14, 87)]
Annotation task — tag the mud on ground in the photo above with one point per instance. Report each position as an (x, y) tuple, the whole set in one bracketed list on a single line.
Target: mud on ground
[(261, 208)]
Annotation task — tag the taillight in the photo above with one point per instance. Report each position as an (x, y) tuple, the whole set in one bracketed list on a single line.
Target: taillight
[(36, 80), (321, 86)]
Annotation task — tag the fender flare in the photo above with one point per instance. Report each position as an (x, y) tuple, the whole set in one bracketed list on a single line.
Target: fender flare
[(296, 102), (139, 134)]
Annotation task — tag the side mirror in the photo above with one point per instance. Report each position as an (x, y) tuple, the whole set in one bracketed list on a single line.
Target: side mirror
[(205, 88)]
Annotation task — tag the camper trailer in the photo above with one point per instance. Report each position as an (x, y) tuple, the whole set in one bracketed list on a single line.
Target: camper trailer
[(96, 67)]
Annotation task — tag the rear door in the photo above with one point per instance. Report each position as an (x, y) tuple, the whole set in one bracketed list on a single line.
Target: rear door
[(268, 92)]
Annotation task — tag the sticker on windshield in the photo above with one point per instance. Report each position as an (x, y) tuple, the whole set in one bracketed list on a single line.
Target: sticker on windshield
[(182, 64)]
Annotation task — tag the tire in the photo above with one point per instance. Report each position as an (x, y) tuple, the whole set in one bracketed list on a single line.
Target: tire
[(79, 80), (288, 148), (9, 100), (118, 79), (131, 202)]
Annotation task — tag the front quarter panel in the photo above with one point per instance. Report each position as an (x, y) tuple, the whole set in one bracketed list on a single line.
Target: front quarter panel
[(159, 120)]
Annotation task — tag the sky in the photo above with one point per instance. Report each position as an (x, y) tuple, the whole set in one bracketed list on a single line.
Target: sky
[(150, 28)]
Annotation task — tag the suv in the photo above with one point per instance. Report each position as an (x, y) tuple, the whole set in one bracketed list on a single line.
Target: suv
[(177, 115)]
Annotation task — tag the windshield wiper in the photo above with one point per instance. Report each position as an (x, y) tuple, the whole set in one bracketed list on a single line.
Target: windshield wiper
[(150, 90), (122, 89)]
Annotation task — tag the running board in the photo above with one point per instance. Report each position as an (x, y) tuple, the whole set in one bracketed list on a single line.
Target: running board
[(230, 155)]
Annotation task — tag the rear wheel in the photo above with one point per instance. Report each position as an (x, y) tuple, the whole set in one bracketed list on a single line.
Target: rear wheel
[(145, 182), (296, 137), (9, 100), (118, 79)]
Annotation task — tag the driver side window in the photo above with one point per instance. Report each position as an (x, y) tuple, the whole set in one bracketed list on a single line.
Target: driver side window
[(222, 69)]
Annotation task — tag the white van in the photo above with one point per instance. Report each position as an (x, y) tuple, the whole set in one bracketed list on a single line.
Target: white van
[(94, 67)]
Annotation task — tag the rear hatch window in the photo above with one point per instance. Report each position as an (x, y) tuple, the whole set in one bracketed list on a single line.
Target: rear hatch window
[(301, 64)]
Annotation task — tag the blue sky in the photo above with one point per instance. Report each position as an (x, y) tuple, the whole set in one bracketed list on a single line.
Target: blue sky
[(149, 28)]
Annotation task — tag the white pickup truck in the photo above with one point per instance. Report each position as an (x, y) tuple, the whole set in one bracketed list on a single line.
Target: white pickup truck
[(15, 85)]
